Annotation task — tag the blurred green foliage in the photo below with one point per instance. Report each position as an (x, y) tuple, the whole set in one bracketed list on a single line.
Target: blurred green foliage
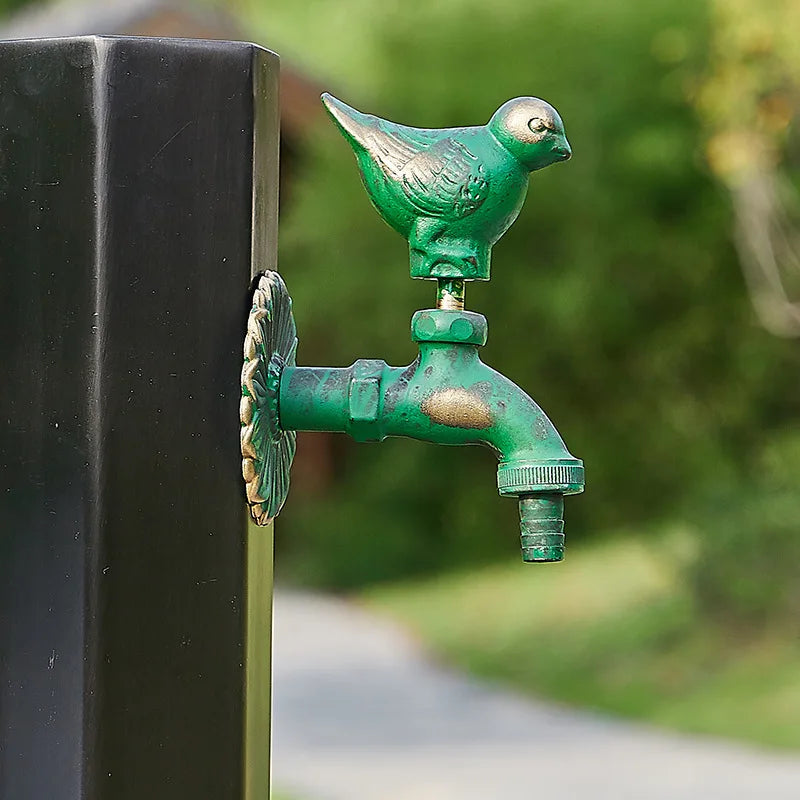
[(616, 300), (747, 571), (750, 95), (7, 6)]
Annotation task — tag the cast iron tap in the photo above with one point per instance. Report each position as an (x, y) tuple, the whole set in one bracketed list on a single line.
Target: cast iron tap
[(453, 193)]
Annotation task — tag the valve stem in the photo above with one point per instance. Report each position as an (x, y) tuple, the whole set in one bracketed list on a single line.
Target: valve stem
[(450, 294)]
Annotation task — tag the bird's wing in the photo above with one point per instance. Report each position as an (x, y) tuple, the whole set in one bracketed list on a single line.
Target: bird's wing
[(395, 146), (390, 145), (445, 179), (438, 173)]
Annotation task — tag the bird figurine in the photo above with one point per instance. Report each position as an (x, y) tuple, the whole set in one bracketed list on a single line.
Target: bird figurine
[(453, 192)]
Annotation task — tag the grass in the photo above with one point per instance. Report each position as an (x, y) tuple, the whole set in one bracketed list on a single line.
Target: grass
[(613, 628)]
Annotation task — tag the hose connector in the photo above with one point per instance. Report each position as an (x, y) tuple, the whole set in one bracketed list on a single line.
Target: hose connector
[(541, 518)]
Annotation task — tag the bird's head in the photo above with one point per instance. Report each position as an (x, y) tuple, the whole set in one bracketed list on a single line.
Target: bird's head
[(531, 130)]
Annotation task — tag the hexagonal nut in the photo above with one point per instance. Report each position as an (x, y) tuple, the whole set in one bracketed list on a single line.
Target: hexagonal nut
[(454, 327)]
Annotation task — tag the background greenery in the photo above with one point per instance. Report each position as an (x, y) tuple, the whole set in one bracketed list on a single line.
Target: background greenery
[(617, 298), (7, 6), (618, 302)]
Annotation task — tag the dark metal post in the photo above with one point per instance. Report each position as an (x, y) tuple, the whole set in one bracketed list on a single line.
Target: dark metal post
[(138, 193)]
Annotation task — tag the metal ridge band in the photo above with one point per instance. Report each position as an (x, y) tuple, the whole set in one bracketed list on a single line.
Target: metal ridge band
[(517, 479)]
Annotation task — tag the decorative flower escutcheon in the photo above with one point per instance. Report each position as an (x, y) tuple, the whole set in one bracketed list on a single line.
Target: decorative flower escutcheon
[(267, 450)]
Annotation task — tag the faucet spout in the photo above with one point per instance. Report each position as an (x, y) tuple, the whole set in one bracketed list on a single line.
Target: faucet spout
[(447, 396)]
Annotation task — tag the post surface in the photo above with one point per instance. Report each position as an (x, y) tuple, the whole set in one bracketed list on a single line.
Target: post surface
[(138, 194)]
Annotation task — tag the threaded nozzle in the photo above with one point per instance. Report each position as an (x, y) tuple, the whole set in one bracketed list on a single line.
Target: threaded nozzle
[(541, 518)]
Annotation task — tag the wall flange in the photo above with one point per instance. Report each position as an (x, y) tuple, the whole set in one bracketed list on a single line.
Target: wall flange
[(267, 451)]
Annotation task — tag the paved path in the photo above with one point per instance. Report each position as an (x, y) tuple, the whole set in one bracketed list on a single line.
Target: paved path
[(361, 714)]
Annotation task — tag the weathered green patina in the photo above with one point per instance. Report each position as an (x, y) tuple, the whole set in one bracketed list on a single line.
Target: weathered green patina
[(452, 193), (448, 396)]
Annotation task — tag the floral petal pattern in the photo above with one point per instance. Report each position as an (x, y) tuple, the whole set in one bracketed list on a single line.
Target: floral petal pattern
[(267, 450)]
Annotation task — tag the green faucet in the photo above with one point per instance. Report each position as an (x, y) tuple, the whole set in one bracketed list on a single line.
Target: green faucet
[(452, 193)]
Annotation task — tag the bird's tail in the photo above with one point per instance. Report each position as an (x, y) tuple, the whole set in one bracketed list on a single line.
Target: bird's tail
[(352, 123)]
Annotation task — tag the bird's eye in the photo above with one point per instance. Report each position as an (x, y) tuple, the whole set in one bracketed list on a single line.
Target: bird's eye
[(537, 125)]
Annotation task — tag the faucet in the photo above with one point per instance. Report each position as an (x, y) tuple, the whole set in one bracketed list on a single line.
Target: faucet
[(452, 193)]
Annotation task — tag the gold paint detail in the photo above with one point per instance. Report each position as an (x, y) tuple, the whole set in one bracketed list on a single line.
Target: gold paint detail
[(245, 410), (519, 113), (457, 408), (249, 474), (248, 450), (248, 371), (450, 302), (246, 406), (248, 469), (450, 294), (252, 490)]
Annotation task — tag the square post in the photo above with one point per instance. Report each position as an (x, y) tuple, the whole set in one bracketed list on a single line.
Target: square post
[(138, 195)]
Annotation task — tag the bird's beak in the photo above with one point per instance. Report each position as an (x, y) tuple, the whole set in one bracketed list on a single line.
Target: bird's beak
[(563, 151)]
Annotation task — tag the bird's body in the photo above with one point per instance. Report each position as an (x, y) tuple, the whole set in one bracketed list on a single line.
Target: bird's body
[(451, 192)]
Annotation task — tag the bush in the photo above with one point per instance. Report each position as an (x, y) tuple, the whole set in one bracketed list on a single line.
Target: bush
[(616, 300), (748, 570)]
